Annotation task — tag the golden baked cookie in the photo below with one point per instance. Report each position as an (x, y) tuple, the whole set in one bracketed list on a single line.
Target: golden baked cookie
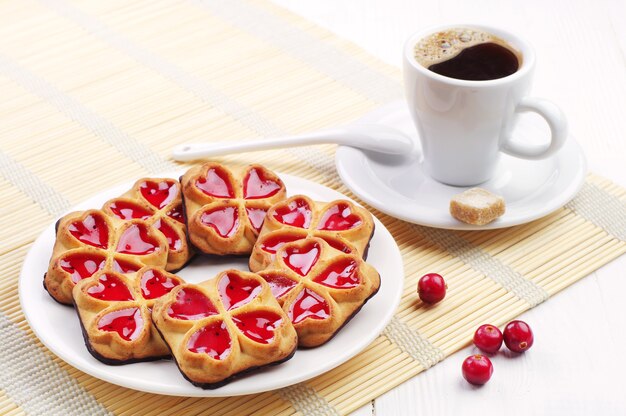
[(320, 288), (342, 224), (158, 202), (225, 207), (115, 314), (224, 327), (88, 241)]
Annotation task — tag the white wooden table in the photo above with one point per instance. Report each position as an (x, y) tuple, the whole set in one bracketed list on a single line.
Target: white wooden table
[(577, 364)]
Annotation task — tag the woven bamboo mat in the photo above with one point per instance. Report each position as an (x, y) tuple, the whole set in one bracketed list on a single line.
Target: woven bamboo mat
[(96, 93)]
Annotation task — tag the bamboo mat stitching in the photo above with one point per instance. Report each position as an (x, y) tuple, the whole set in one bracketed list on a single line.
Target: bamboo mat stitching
[(601, 208), (306, 400), (324, 57), (410, 341), (35, 382)]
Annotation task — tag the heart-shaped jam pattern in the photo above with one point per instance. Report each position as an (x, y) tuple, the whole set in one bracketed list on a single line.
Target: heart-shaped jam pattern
[(127, 210), (274, 242), (302, 259), (337, 244), (297, 213), (128, 323), (176, 213), (257, 184), (308, 305), (224, 220), (111, 288), (191, 304), (259, 326), (341, 274), (213, 340), (82, 265), (216, 183), (159, 194), (339, 217), (93, 230), (155, 284), (135, 240), (235, 291), (279, 285), (256, 216), (173, 239), (125, 267)]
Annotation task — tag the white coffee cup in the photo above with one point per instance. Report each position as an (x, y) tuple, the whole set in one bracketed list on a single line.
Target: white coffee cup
[(464, 125)]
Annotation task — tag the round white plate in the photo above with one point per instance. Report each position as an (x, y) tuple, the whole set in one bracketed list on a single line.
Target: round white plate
[(58, 328), (397, 185)]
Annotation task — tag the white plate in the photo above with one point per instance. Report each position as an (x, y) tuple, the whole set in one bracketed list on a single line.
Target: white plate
[(58, 328), (397, 185)]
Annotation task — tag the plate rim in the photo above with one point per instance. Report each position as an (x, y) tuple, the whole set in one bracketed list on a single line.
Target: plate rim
[(111, 377), (568, 193)]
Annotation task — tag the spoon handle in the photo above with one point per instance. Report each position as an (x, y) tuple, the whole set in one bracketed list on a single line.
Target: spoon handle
[(194, 151)]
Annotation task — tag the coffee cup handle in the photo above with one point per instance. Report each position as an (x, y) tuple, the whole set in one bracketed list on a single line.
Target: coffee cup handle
[(556, 121)]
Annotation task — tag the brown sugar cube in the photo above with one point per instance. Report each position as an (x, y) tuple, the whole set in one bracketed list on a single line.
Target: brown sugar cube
[(477, 206)]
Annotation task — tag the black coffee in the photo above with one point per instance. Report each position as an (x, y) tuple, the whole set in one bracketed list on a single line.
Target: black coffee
[(466, 53), (481, 62)]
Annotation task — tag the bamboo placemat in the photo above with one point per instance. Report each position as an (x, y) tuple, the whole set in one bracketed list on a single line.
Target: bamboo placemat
[(96, 93)]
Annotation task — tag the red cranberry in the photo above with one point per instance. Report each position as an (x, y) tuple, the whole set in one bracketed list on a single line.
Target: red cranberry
[(488, 338), (477, 369), (518, 336), (431, 288)]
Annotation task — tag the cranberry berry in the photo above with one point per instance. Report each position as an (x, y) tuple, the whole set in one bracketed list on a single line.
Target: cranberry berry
[(431, 288), (477, 369), (518, 336), (488, 338)]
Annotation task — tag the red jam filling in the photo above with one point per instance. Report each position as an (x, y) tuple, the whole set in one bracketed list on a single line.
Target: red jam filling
[(135, 240), (159, 194), (128, 323), (212, 340), (174, 241), (236, 291), (155, 284), (216, 183), (340, 275), (191, 304), (125, 267), (308, 304), (302, 259), (176, 213), (279, 285), (224, 220), (93, 230), (297, 214), (256, 216), (272, 243), (81, 266), (258, 185), (337, 244), (259, 326), (339, 218), (129, 210), (110, 287)]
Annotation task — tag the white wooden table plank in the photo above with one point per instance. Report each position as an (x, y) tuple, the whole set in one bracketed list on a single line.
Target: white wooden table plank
[(577, 363)]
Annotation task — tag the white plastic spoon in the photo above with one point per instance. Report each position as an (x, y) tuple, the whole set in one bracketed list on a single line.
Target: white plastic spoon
[(374, 137)]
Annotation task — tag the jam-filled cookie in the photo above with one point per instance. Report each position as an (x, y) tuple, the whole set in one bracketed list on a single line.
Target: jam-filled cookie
[(225, 207), (320, 288), (115, 314), (224, 327), (342, 224), (88, 241), (158, 202)]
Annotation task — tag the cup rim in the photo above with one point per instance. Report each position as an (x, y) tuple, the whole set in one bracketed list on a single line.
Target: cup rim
[(519, 43)]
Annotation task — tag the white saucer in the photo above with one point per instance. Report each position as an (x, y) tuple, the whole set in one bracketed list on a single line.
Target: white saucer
[(396, 185)]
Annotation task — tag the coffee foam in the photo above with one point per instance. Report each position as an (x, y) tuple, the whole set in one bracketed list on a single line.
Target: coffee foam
[(444, 45)]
